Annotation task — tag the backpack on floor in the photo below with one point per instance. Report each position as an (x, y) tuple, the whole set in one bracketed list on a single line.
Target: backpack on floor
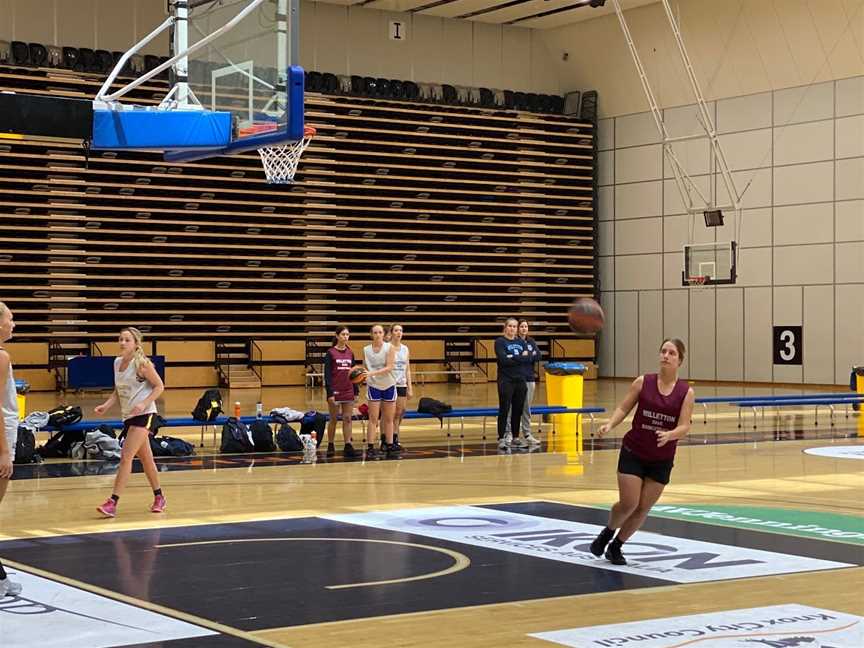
[(60, 444), (288, 440), (313, 422), (25, 447), (64, 415), (167, 446), (262, 436), (209, 406), (236, 437)]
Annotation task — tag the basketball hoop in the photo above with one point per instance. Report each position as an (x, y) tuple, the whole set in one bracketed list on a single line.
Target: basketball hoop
[(697, 282), (280, 162)]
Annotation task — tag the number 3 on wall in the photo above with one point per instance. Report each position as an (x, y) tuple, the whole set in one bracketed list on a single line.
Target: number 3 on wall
[(788, 345)]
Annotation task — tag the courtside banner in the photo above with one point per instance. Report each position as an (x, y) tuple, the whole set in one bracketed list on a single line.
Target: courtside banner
[(778, 625), (678, 560), (48, 613)]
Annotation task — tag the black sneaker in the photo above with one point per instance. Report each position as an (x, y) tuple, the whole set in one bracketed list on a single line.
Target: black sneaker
[(600, 542), (349, 452), (614, 555), (372, 452), (331, 449), (393, 451)]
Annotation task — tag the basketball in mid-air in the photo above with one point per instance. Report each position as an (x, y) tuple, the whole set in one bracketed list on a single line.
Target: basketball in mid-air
[(585, 316), (357, 375)]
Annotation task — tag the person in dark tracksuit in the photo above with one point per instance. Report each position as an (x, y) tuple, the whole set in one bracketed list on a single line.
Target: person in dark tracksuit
[(513, 359)]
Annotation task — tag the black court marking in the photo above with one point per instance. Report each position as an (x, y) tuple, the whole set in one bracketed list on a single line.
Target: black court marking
[(257, 586), (275, 583)]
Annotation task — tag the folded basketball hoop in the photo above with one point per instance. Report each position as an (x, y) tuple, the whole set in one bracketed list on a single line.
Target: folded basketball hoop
[(280, 161)]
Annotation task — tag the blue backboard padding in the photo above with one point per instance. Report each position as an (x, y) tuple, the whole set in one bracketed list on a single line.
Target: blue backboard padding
[(160, 129), (292, 132)]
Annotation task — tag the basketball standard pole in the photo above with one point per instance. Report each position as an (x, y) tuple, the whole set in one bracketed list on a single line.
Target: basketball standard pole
[(685, 184)]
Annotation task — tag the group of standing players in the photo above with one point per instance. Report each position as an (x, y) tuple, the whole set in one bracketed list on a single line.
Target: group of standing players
[(387, 375), (663, 402)]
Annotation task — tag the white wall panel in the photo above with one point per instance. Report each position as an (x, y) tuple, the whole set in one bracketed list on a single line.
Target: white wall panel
[(673, 264), (606, 203), (754, 267), (801, 224), (626, 334), (638, 200), (754, 230), (676, 321), (744, 113), (730, 334), (605, 134), (850, 96), (850, 137), (638, 164), (606, 238), (755, 185), (850, 221), (638, 272), (703, 318), (607, 274), (850, 179), (848, 341), (804, 183), (818, 327), (850, 263), (810, 142), (606, 168), (606, 339), (758, 349), (650, 328), (747, 150), (635, 130), (684, 120), (693, 155), (676, 232), (797, 265), (806, 103), (639, 236)]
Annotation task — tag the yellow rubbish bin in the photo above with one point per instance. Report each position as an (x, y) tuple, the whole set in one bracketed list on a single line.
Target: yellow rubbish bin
[(564, 387), (22, 387), (859, 387)]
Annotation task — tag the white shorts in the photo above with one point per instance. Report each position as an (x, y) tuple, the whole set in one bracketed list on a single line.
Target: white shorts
[(11, 440)]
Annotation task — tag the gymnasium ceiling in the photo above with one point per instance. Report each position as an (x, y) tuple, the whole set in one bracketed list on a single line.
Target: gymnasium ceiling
[(537, 14)]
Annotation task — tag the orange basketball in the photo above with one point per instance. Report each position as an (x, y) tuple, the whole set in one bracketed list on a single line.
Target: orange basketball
[(585, 316), (357, 375)]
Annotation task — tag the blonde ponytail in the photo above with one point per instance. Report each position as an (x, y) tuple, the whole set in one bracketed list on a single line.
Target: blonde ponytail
[(139, 358)]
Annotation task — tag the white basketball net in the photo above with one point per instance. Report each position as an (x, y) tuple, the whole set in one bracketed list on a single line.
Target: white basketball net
[(280, 162), (697, 283)]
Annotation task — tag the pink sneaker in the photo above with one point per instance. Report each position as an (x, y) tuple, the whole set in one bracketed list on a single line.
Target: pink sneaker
[(109, 508), (159, 504)]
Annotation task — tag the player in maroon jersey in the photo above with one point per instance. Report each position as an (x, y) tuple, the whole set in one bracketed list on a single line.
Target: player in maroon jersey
[(341, 392), (664, 406)]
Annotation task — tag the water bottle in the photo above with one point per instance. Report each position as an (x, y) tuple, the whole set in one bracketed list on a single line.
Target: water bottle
[(237, 410), (309, 453), (259, 410)]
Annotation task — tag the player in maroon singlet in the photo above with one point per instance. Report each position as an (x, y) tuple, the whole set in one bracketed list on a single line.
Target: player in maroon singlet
[(341, 392), (664, 408)]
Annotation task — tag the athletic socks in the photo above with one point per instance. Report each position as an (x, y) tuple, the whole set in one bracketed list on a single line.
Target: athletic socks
[(116, 498), (157, 492), (600, 542)]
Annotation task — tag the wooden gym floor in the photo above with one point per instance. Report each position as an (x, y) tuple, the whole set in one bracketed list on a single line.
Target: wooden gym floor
[(466, 547)]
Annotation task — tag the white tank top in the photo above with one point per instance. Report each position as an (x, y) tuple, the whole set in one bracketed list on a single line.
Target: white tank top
[(9, 405), (131, 389), (375, 361), (400, 366)]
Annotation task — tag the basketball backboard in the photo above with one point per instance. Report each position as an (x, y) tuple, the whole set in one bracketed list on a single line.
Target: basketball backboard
[(716, 262), (234, 87), (248, 70)]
